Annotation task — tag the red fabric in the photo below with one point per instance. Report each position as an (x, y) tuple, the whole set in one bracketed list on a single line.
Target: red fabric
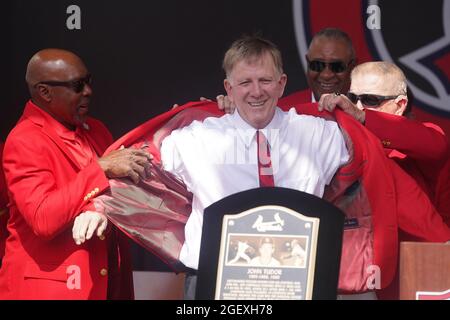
[(443, 193), (384, 200), (77, 144), (264, 162), (426, 153), (154, 213), (48, 189), (296, 98), (420, 153), (3, 206), (422, 156)]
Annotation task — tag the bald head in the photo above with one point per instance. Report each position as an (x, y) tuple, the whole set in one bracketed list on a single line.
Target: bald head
[(59, 84), (385, 78), (51, 65)]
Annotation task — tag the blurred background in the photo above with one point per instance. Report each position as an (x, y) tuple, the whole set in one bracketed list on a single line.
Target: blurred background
[(147, 55)]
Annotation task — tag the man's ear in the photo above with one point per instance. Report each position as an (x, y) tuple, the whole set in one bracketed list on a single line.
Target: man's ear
[(401, 101), (228, 88), (353, 63), (282, 82), (44, 92)]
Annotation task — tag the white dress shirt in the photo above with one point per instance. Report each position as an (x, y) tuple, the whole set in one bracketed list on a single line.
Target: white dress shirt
[(218, 157)]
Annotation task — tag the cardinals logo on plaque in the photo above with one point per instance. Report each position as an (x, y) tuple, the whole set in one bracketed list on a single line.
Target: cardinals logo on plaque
[(267, 252)]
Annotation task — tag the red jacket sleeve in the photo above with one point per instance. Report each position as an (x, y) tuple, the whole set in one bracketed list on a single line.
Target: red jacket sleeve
[(3, 191), (420, 141), (425, 223), (45, 190)]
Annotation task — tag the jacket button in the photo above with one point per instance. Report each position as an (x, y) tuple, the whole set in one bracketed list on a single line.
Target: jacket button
[(96, 190), (85, 198), (102, 237), (103, 272)]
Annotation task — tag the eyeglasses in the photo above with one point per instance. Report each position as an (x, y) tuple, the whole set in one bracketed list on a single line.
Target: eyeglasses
[(76, 85), (371, 100), (335, 67)]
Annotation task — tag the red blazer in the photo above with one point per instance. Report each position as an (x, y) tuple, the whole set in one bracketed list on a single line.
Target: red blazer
[(48, 189), (443, 193), (371, 188), (422, 156), (298, 97), (3, 207)]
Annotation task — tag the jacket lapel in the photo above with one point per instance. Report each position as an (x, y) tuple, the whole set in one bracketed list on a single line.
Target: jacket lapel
[(57, 140), (98, 149), (43, 120)]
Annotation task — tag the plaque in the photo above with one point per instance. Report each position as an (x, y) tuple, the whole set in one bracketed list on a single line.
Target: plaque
[(270, 243), (268, 252)]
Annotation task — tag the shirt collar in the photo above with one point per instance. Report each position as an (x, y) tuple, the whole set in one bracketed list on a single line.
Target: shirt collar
[(41, 117), (247, 133)]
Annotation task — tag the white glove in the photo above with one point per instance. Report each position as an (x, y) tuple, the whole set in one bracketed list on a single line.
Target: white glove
[(85, 225)]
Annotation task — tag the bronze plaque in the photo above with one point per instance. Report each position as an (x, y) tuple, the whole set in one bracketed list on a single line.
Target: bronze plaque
[(267, 252)]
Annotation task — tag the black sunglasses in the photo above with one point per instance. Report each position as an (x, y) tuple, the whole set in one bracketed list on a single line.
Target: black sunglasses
[(371, 100), (335, 67), (76, 85)]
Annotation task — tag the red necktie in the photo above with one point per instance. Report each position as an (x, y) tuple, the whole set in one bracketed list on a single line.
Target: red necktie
[(264, 164)]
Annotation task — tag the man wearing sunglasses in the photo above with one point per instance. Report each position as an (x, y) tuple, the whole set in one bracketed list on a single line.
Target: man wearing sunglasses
[(53, 168), (378, 99), (330, 60)]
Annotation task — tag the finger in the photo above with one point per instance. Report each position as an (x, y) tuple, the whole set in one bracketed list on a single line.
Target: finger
[(133, 176), (220, 102), (330, 106), (76, 225), (102, 226), (228, 105), (147, 153), (140, 170), (84, 224), (322, 101), (148, 170), (80, 230), (320, 106), (76, 230), (341, 102), (142, 153), (140, 159), (92, 226), (230, 108)]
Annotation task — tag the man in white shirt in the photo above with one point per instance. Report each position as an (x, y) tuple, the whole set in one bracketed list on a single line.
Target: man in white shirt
[(330, 60), (219, 156), (266, 251)]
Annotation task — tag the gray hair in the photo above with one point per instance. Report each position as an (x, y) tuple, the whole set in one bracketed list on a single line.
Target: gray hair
[(248, 48), (336, 34)]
